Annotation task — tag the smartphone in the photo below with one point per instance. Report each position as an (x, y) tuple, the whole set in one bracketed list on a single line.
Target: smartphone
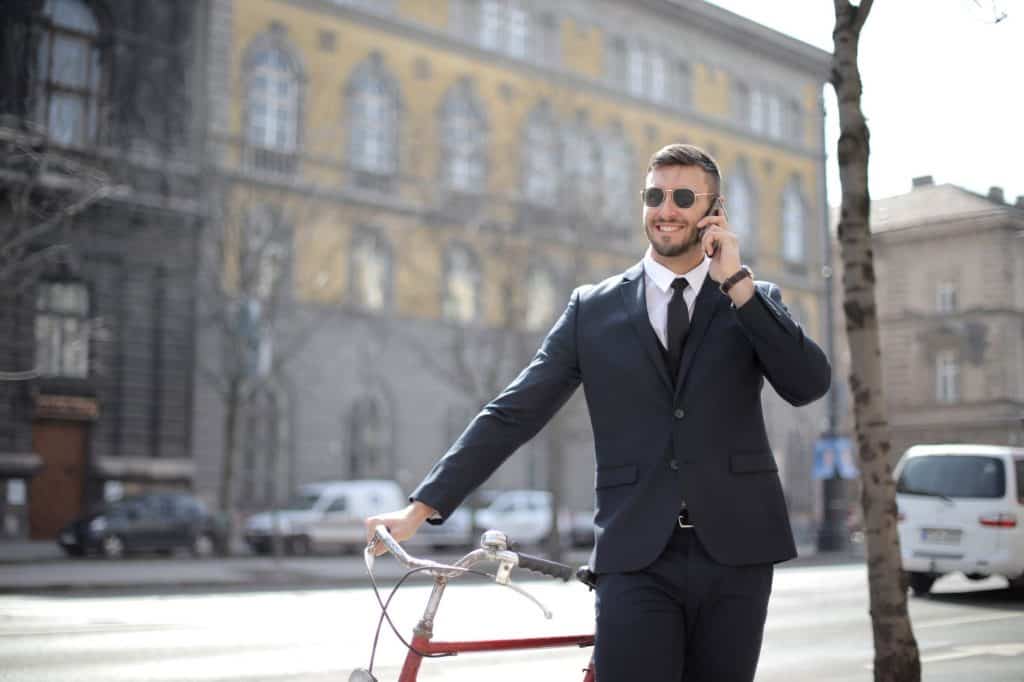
[(716, 209)]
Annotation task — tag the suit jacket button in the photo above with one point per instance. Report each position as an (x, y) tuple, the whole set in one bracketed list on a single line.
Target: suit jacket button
[(679, 414), (673, 465)]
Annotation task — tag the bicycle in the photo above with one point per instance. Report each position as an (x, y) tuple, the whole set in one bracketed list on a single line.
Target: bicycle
[(494, 547)]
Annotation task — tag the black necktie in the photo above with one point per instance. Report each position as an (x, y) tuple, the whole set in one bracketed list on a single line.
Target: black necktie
[(678, 325)]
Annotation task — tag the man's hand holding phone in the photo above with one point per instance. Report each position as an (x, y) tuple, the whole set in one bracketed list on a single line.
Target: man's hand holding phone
[(722, 246)]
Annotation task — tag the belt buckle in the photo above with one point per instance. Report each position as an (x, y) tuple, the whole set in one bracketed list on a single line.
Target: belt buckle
[(684, 519)]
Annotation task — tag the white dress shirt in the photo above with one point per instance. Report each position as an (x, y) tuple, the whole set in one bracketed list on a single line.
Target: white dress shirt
[(658, 290)]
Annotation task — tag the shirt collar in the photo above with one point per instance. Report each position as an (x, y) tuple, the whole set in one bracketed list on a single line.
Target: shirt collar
[(663, 277)]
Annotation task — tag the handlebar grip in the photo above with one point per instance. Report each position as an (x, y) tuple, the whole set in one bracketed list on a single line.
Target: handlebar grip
[(546, 567)]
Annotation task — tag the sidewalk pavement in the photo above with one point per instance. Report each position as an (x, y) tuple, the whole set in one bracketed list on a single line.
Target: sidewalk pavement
[(28, 567)]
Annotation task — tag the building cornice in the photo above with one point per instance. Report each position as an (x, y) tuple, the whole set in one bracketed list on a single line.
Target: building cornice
[(733, 28), (558, 76)]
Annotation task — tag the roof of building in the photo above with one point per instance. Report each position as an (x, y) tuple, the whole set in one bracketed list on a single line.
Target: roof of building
[(929, 203)]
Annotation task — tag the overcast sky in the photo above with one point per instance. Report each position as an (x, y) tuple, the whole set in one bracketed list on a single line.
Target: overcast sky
[(943, 88)]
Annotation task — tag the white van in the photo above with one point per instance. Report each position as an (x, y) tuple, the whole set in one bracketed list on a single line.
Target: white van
[(961, 508), (326, 515)]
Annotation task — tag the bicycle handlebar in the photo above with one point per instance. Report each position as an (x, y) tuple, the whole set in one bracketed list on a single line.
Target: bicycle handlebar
[(489, 551), (545, 567)]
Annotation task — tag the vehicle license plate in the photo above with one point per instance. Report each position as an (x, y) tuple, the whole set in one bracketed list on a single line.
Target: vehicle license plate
[(941, 536)]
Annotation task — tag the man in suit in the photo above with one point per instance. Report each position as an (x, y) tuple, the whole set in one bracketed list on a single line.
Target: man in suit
[(690, 515)]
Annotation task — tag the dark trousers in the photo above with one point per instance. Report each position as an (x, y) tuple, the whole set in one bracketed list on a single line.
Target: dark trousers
[(684, 618)]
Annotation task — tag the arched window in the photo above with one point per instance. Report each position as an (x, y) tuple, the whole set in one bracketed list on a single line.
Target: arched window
[(266, 253), (461, 285), (740, 205), (265, 462), (463, 140), (272, 97), (617, 178), (794, 224), (541, 299), (373, 106), (541, 157), (371, 270), (582, 166), (370, 439), (68, 73)]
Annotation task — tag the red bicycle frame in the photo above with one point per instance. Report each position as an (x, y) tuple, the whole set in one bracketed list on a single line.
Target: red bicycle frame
[(422, 643)]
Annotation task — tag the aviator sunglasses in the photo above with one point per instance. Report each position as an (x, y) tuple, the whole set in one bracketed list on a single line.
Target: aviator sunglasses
[(684, 198)]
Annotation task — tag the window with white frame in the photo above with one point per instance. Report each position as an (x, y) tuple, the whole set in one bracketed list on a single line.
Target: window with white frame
[(68, 73), (617, 177), (758, 106), (946, 297), (582, 165), (541, 157), (272, 100), (647, 74), (794, 229), (463, 140), (682, 88), (462, 284), (541, 303), (62, 329), (546, 39), (741, 103), (373, 118), (503, 27), (741, 209), (370, 442), (773, 114), (795, 121), (616, 62), (947, 376), (371, 270)]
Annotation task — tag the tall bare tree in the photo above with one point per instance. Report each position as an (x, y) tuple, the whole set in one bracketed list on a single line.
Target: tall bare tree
[(896, 654)]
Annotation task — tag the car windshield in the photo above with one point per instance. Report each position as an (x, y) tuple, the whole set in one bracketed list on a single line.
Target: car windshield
[(302, 502), (953, 476)]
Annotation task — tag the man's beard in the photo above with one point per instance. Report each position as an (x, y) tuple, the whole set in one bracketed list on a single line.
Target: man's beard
[(671, 250)]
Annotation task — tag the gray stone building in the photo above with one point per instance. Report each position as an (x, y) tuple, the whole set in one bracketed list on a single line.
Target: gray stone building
[(99, 222), (950, 294)]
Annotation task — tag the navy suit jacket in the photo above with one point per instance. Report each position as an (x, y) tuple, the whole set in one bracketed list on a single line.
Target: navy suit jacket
[(701, 439)]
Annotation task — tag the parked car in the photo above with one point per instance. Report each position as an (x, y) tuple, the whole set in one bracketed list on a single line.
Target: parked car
[(525, 515), (326, 515), (961, 508), (457, 531), (152, 522)]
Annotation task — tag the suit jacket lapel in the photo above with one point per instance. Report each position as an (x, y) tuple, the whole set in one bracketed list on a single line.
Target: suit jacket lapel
[(635, 300), (709, 301)]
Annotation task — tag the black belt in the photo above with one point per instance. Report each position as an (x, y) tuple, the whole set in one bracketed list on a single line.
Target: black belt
[(684, 518)]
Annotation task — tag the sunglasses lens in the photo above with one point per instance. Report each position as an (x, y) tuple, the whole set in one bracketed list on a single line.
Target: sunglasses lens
[(683, 197), (653, 196)]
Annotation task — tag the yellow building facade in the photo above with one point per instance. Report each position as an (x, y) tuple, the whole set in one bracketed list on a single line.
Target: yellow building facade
[(487, 156)]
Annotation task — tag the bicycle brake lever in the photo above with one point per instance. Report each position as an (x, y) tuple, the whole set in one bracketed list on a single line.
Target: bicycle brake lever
[(547, 614)]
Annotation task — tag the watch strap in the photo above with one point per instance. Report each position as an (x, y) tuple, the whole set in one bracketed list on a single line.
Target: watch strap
[(731, 281)]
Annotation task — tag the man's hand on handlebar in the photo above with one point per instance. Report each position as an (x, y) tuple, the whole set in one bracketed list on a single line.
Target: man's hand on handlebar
[(402, 523)]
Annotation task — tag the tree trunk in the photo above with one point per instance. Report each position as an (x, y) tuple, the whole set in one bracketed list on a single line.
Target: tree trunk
[(232, 398), (896, 653)]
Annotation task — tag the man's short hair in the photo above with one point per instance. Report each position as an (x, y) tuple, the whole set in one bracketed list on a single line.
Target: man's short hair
[(687, 155)]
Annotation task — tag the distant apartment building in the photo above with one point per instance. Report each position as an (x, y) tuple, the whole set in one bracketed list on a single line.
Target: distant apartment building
[(950, 294)]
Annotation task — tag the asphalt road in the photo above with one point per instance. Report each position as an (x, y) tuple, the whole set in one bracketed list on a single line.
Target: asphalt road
[(818, 629)]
